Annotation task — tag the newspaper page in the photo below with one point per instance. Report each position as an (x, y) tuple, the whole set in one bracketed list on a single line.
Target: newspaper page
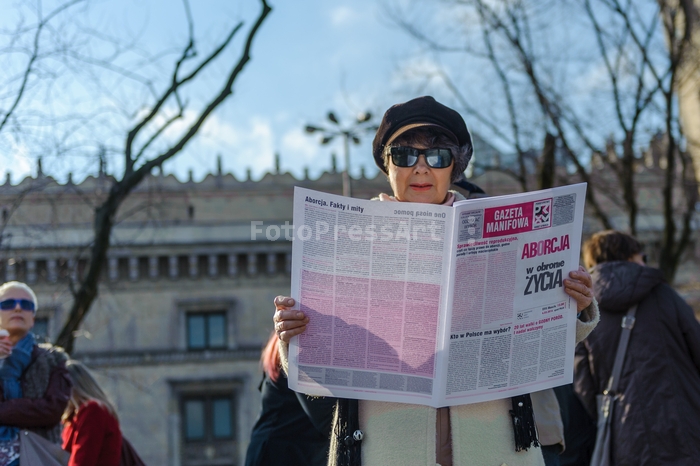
[(512, 329), (421, 303), (372, 277)]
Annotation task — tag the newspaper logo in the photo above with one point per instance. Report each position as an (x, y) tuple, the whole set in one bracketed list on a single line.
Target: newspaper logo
[(470, 226), (542, 214), (508, 220)]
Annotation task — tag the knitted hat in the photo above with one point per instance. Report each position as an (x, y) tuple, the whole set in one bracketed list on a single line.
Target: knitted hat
[(421, 112)]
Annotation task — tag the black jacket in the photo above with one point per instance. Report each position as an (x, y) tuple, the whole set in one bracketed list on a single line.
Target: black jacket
[(293, 429), (657, 418)]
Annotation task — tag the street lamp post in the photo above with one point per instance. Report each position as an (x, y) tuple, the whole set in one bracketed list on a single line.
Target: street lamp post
[(352, 133)]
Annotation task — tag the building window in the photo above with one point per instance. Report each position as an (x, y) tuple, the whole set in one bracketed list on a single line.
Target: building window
[(193, 416), (208, 418), (207, 324), (206, 330), (209, 415)]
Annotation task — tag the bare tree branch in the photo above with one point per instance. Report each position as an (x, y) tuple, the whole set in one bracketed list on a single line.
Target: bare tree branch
[(505, 84), (43, 22), (548, 106), (174, 86), (470, 109), (158, 133), (107, 210)]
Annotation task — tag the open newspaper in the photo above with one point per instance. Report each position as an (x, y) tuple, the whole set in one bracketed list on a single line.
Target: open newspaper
[(435, 305)]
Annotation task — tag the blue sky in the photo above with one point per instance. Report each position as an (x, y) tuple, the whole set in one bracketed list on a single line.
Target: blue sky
[(310, 56)]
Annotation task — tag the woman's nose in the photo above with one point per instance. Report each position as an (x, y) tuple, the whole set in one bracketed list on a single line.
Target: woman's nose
[(421, 165)]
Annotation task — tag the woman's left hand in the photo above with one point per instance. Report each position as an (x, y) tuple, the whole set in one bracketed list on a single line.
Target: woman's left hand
[(580, 287)]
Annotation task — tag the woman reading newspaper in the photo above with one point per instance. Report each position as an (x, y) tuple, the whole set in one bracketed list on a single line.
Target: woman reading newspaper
[(423, 147)]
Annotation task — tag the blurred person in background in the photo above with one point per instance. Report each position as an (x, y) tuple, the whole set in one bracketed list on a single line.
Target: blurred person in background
[(91, 432), (579, 428), (293, 428), (35, 383), (657, 416)]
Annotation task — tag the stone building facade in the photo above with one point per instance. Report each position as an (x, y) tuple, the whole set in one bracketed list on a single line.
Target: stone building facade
[(185, 302)]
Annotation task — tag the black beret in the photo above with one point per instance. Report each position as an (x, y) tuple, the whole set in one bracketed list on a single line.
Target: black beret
[(421, 111)]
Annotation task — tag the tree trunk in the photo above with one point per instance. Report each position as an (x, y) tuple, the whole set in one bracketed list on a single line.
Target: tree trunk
[(88, 290), (547, 162), (627, 181), (689, 83)]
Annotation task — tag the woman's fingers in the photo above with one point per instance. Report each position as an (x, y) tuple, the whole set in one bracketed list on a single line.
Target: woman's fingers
[(288, 328), (582, 301), (580, 287), (582, 276), (283, 301), (288, 322), (288, 317)]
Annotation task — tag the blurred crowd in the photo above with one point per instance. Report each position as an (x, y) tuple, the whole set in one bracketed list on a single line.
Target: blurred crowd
[(52, 410)]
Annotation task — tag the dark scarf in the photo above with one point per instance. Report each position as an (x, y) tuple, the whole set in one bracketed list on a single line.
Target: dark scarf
[(349, 451), (523, 422), (12, 369)]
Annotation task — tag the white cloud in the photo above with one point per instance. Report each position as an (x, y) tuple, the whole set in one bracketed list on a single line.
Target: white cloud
[(299, 151), (417, 71), (303, 146), (343, 15), (242, 146), (15, 160), (594, 79), (448, 14)]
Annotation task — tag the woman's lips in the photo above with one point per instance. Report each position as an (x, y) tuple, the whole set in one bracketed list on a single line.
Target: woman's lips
[(421, 187)]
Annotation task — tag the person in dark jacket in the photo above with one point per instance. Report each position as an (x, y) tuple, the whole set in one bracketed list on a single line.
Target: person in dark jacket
[(35, 386), (292, 429), (579, 428), (657, 416)]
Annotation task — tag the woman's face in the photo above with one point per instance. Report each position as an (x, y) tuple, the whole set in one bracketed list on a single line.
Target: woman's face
[(420, 183), (16, 321)]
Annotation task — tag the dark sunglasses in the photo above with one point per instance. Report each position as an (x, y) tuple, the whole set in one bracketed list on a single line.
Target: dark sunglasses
[(24, 304), (404, 156)]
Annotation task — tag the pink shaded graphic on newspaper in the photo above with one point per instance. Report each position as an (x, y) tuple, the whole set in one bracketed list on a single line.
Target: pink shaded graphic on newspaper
[(420, 329), (316, 299), (372, 324), (350, 321)]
